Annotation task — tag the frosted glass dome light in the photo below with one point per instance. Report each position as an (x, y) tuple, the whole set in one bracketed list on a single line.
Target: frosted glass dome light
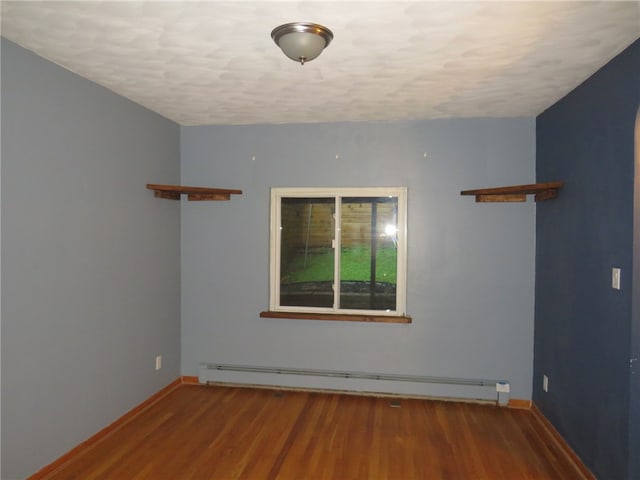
[(302, 41)]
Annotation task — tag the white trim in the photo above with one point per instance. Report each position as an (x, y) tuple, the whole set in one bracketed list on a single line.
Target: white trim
[(274, 252), (337, 247)]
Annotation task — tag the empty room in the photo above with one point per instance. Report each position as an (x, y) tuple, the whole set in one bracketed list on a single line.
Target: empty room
[(320, 240)]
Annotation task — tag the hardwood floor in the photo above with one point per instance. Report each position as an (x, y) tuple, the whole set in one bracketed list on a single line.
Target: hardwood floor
[(221, 433)]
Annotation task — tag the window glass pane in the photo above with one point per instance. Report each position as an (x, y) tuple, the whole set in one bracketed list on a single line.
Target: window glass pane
[(306, 254), (368, 257)]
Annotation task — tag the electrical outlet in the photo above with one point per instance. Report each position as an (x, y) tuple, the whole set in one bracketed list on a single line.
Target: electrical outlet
[(158, 362), (545, 383)]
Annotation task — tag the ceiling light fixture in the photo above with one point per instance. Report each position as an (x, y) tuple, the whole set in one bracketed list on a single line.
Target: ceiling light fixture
[(302, 41)]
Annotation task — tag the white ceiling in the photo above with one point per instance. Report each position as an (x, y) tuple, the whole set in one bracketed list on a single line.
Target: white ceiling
[(215, 63)]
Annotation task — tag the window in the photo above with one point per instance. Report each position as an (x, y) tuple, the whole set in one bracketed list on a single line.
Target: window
[(339, 251)]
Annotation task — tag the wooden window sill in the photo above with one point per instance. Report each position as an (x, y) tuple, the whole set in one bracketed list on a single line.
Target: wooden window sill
[(339, 317)]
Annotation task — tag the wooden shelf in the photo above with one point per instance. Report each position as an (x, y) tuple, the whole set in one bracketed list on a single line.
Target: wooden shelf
[(516, 193), (173, 192)]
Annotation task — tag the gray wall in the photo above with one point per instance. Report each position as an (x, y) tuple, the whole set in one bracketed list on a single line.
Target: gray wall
[(90, 259), (471, 266)]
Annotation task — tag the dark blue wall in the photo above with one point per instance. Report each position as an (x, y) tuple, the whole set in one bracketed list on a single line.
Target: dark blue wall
[(634, 411), (582, 325)]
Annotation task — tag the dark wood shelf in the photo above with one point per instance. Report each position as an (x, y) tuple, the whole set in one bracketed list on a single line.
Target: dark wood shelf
[(173, 192), (516, 193)]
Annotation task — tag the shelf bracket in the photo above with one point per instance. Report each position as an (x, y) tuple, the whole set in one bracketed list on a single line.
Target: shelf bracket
[(501, 198), (168, 195)]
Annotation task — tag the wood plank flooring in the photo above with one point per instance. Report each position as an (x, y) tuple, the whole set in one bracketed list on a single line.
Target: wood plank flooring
[(221, 433)]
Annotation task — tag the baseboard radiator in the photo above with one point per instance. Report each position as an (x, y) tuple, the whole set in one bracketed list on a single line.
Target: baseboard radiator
[(502, 387)]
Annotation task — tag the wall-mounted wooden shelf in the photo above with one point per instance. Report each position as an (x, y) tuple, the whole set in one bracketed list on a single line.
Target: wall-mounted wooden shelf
[(173, 192), (516, 193)]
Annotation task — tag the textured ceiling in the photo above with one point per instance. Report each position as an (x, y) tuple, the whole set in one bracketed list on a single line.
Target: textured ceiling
[(215, 63)]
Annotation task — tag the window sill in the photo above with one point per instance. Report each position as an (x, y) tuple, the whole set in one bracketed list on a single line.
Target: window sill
[(338, 317)]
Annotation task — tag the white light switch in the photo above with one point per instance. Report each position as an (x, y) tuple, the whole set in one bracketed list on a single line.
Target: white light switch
[(615, 278)]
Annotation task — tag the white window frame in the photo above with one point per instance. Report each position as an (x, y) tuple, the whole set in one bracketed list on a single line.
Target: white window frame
[(277, 193)]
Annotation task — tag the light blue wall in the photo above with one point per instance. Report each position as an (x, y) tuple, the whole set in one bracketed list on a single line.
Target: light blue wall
[(471, 266), (90, 259)]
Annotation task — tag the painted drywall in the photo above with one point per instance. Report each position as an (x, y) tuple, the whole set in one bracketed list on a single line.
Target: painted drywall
[(634, 396), (471, 266), (582, 325), (90, 259)]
